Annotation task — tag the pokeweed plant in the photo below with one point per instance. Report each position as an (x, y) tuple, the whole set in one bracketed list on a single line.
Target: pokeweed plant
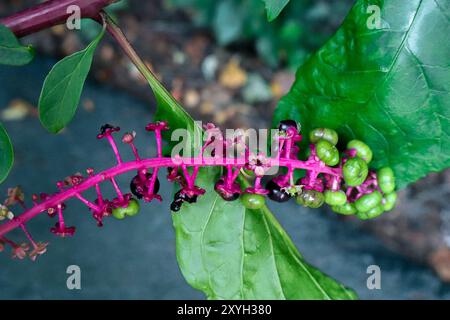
[(230, 248)]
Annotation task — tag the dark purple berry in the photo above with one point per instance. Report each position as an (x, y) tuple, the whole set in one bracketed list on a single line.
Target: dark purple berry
[(275, 192), (176, 205), (286, 124), (139, 188), (225, 194), (184, 197)]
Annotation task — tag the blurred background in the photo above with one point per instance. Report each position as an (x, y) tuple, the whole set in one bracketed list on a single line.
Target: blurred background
[(225, 63)]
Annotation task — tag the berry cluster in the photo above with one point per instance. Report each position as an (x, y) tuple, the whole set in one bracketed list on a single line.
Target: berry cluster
[(342, 180)]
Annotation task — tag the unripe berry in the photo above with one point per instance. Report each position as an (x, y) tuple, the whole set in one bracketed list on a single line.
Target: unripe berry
[(368, 201), (253, 201), (130, 210), (372, 213), (346, 209), (327, 152), (310, 198), (362, 150), (389, 201), (323, 133), (355, 171), (386, 179), (335, 198)]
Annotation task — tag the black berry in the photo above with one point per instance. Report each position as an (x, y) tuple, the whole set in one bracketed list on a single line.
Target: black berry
[(275, 192)]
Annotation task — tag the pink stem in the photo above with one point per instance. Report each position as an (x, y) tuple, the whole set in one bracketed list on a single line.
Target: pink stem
[(28, 235), (135, 152), (153, 180), (114, 147), (116, 187), (158, 142), (99, 194), (60, 217), (86, 202), (138, 165)]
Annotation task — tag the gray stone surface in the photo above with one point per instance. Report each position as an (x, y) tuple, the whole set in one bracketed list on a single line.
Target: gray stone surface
[(135, 258)]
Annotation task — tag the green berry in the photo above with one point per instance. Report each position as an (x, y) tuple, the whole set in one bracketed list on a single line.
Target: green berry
[(368, 201), (253, 201), (335, 198), (346, 209), (372, 213), (310, 198), (389, 201), (355, 171), (323, 133), (362, 150), (386, 179), (327, 152), (131, 210)]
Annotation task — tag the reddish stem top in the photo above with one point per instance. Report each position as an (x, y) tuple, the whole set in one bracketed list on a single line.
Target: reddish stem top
[(49, 14)]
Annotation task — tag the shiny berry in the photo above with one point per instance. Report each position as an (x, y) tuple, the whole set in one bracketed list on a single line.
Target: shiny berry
[(386, 179), (253, 201), (139, 188), (286, 124), (372, 213), (368, 201), (346, 209), (275, 192), (176, 205), (323, 133), (362, 150), (335, 198), (389, 201), (311, 198), (185, 197), (224, 193), (130, 210), (327, 152), (355, 171)]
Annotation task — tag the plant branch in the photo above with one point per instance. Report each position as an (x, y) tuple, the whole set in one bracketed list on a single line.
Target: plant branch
[(51, 13)]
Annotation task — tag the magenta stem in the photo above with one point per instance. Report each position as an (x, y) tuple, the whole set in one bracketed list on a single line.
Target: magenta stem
[(116, 187), (138, 165), (60, 217), (153, 180), (99, 194), (158, 142), (258, 183), (135, 152), (86, 202), (28, 235), (10, 242), (114, 147)]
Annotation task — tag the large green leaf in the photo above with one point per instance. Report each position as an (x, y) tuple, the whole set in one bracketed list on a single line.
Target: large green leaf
[(389, 87), (230, 252), (11, 51), (274, 8), (62, 88), (6, 154)]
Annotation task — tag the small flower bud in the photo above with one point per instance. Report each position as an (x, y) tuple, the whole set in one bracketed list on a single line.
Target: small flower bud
[(128, 137)]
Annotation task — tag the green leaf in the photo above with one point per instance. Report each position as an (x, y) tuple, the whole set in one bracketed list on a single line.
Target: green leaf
[(11, 51), (389, 87), (230, 252), (274, 8), (6, 154), (62, 88)]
